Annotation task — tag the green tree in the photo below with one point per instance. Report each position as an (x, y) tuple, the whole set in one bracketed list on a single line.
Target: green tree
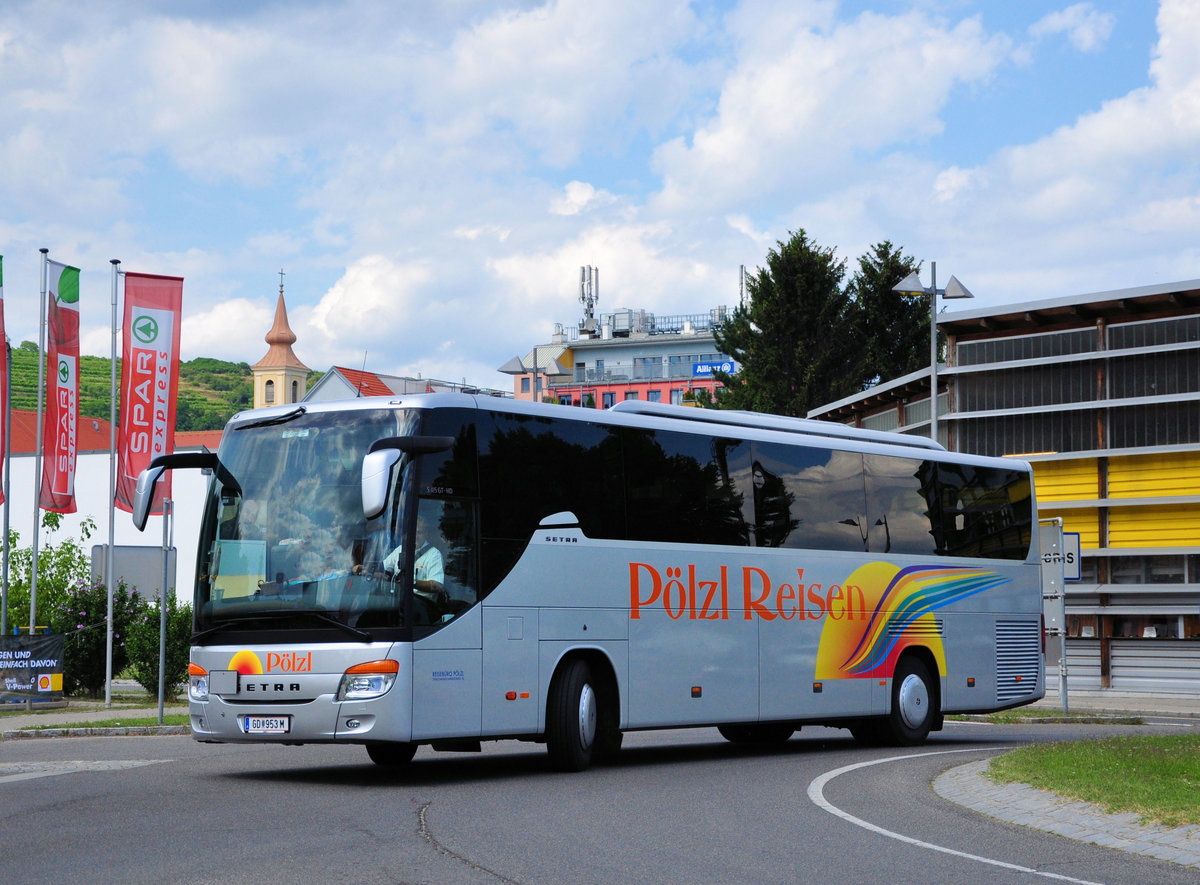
[(61, 566), (143, 645), (68, 602), (893, 329), (795, 340)]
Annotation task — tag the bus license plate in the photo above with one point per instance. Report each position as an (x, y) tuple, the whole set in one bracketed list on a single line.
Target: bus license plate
[(268, 724)]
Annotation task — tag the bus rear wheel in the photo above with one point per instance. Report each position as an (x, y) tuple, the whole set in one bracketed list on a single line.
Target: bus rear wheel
[(913, 703), (756, 734), (391, 754), (571, 717)]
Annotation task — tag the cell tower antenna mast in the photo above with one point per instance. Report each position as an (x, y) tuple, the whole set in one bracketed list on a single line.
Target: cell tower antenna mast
[(589, 295)]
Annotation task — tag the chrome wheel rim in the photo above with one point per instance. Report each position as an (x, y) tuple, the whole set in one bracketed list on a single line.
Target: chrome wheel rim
[(913, 701), (587, 716)]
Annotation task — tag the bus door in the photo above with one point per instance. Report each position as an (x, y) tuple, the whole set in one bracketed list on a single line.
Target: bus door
[(511, 698), (447, 621)]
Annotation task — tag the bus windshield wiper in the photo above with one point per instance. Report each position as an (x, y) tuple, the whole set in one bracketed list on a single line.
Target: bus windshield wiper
[(277, 419), (274, 614)]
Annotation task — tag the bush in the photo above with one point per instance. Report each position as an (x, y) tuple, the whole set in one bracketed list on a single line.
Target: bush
[(61, 567), (81, 615), (143, 645)]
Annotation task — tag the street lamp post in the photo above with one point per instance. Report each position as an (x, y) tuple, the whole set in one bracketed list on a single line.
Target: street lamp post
[(911, 285)]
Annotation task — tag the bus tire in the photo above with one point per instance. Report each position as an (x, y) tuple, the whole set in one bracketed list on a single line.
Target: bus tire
[(913, 702), (756, 734), (571, 717), (391, 754)]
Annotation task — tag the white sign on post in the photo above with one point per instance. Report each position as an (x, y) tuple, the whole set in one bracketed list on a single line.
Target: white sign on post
[(1072, 559)]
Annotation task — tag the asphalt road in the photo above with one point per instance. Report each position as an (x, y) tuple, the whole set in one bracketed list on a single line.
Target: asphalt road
[(678, 806)]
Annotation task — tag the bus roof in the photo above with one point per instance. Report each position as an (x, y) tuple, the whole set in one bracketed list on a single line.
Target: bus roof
[(638, 413)]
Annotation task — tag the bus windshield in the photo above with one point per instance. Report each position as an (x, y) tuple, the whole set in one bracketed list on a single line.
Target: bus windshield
[(287, 546)]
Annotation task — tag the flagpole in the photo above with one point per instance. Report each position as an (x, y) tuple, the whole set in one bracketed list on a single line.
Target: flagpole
[(112, 490), (37, 457)]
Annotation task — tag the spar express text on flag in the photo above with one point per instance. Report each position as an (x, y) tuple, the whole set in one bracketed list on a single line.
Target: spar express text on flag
[(149, 379)]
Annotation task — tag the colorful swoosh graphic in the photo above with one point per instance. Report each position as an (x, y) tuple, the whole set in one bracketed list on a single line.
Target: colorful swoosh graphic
[(899, 607)]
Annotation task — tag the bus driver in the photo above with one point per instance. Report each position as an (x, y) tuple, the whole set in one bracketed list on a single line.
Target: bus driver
[(429, 573)]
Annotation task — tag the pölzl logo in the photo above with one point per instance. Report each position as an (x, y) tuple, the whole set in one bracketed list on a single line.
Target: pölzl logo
[(246, 663)]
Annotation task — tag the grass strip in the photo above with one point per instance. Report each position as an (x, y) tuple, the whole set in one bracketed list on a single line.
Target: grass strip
[(1038, 715), (1155, 777), (119, 722)]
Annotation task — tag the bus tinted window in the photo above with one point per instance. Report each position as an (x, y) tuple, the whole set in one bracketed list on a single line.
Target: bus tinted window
[(900, 504), (532, 467), (808, 497), (679, 488), (985, 511), (452, 472)]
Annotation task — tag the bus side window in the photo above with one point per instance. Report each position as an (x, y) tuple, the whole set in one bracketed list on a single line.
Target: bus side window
[(901, 505), (453, 527)]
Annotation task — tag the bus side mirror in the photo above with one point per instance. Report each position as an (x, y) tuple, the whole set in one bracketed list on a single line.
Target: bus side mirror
[(376, 476), (143, 495), (382, 456)]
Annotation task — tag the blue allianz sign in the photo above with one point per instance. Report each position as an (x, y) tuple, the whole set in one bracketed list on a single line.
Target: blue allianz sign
[(702, 370)]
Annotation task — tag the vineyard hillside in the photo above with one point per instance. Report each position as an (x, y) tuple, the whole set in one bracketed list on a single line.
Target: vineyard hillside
[(210, 390)]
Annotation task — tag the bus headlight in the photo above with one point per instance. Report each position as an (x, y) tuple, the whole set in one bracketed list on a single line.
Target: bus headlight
[(362, 682), (197, 682)]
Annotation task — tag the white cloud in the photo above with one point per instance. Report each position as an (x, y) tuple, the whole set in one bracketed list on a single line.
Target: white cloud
[(809, 98), (232, 329), (1086, 28), (578, 196), (449, 167)]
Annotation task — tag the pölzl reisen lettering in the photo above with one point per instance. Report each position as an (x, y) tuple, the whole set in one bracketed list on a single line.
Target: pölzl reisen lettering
[(684, 594)]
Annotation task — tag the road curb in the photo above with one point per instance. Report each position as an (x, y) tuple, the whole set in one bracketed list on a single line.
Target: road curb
[(1018, 803), (121, 731)]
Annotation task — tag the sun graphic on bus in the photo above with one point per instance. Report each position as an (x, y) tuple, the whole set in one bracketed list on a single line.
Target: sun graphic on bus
[(246, 663)]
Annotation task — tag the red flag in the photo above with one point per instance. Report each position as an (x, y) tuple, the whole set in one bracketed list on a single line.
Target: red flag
[(3, 375), (60, 423), (149, 381)]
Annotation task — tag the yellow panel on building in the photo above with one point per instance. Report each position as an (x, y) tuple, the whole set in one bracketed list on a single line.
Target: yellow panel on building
[(1154, 475), (1174, 525), (1066, 480), (1086, 522)]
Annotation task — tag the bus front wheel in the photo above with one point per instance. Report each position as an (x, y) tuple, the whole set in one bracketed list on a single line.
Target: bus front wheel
[(571, 718), (913, 702), (391, 754)]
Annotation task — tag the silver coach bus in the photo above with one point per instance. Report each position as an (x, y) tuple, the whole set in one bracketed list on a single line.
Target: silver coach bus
[(444, 569)]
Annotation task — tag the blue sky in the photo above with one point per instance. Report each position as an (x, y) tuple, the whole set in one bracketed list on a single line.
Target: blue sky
[(432, 176)]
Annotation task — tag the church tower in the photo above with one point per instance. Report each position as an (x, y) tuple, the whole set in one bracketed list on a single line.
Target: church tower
[(279, 377)]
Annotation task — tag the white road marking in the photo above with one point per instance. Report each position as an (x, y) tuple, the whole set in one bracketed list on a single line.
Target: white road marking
[(816, 792), (23, 771)]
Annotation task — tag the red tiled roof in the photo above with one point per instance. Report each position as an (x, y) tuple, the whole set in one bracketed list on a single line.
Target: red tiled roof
[(94, 434), (194, 439), (364, 383)]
